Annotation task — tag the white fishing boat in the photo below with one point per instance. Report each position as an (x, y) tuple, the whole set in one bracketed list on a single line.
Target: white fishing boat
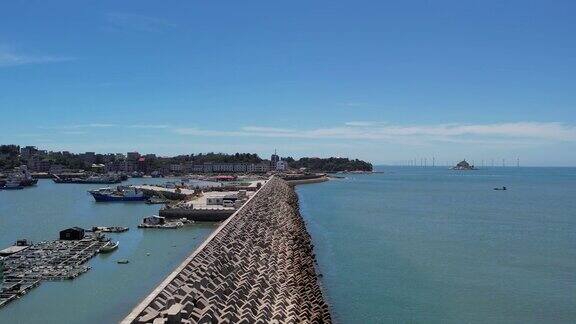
[(109, 247)]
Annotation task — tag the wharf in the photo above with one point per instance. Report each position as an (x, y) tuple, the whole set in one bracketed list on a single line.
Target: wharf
[(49, 260), (257, 267), (198, 209)]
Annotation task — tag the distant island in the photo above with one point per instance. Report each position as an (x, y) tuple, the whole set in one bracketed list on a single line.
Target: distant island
[(463, 165)]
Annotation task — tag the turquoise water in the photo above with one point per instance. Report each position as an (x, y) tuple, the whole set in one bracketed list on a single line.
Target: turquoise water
[(107, 292), (417, 245)]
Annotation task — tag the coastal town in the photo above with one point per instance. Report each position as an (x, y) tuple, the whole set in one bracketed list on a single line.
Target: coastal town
[(43, 163)]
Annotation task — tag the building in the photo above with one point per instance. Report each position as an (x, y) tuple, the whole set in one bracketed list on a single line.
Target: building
[(273, 160), (72, 234), (226, 200), (223, 167), (262, 167), (281, 165), (240, 167), (196, 168), (177, 168)]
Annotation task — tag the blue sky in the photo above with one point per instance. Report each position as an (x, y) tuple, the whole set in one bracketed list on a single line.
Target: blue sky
[(385, 81)]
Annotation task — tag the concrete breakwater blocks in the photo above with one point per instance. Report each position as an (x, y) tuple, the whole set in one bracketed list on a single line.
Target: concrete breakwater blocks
[(257, 267)]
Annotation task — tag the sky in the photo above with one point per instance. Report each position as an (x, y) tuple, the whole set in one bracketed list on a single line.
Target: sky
[(384, 81)]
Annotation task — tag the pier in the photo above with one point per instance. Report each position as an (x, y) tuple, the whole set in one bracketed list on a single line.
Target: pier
[(257, 267)]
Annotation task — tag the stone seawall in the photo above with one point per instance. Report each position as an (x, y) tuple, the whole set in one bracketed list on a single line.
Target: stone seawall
[(257, 267)]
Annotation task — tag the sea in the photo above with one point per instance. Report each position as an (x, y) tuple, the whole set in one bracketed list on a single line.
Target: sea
[(408, 245), (432, 245)]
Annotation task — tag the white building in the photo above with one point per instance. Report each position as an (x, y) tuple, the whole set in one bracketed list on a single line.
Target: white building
[(258, 168), (281, 165), (223, 167), (176, 167)]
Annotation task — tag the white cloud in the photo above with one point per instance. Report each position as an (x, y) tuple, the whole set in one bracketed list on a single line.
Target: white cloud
[(149, 126), (136, 22), (74, 132), (518, 132), (9, 57)]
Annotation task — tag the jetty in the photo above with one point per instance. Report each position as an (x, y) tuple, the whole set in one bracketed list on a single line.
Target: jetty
[(257, 267), (49, 260)]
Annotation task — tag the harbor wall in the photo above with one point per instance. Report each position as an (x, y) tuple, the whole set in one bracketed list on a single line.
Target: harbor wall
[(258, 266), (307, 181)]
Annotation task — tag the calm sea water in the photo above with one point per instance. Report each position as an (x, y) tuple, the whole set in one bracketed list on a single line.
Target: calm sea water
[(417, 245), (411, 245), (107, 292)]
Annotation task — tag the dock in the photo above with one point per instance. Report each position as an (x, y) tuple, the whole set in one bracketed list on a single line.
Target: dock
[(48, 260), (257, 267), (199, 209)]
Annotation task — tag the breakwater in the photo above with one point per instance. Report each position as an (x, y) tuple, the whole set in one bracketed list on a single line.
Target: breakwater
[(258, 266)]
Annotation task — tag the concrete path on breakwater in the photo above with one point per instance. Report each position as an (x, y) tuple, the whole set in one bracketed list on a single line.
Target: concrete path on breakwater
[(258, 266)]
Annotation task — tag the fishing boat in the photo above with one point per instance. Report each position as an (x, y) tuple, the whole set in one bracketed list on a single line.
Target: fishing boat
[(109, 247), (118, 194), (12, 184), (110, 229), (22, 176)]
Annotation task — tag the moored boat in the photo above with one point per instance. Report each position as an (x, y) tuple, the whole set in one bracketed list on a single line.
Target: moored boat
[(22, 176), (109, 247), (12, 184), (118, 194)]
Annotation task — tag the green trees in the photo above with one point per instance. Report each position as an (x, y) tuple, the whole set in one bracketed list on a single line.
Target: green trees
[(330, 164)]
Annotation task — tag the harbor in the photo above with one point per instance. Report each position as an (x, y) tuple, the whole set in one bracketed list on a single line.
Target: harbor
[(152, 253)]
